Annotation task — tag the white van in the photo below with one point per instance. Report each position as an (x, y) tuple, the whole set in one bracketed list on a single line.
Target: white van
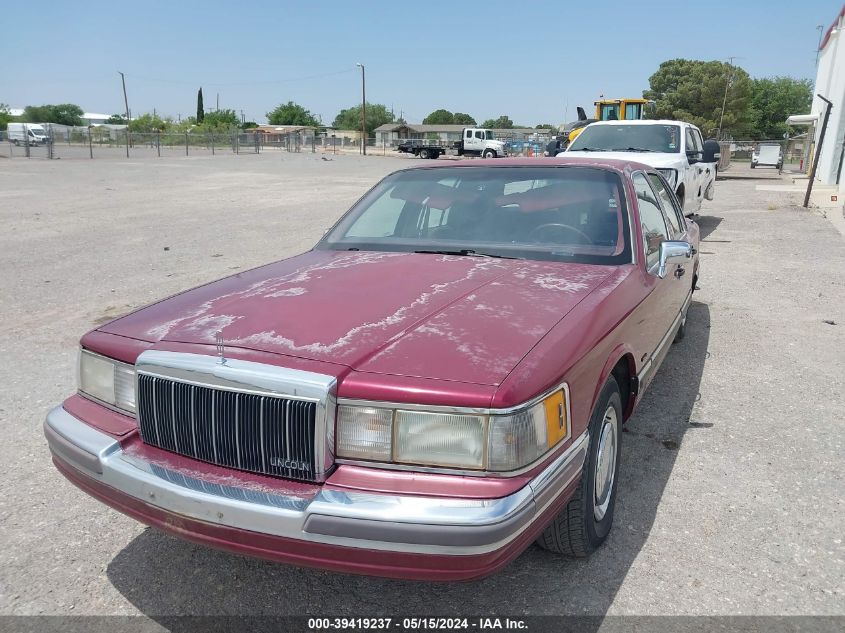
[(32, 133)]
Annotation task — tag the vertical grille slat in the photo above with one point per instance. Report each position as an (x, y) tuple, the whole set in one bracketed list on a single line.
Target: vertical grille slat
[(256, 433)]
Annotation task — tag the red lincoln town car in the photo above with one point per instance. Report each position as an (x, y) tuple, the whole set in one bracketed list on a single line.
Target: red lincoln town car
[(438, 383)]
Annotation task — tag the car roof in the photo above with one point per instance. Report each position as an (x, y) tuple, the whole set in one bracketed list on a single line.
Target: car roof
[(610, 164)]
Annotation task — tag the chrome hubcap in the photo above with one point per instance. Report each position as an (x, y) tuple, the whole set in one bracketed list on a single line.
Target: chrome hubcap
[(605, 464)]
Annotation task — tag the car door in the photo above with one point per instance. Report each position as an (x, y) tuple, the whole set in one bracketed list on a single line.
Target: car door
[(693, 191), (708, 170), (681, 273), (656, 313)]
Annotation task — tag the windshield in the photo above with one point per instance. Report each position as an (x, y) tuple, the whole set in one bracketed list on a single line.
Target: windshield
[(629, 138), (563, 213)]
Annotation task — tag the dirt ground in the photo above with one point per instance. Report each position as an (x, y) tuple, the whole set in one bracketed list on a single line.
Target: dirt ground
[(731, 489)]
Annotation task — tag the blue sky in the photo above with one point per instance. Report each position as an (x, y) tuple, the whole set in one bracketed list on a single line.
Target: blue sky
[(532, 60)]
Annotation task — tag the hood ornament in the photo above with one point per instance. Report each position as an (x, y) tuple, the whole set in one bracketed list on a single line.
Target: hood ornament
[(221, 359)]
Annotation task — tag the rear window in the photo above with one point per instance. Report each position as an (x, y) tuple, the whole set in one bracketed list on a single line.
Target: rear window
[(656, 137)]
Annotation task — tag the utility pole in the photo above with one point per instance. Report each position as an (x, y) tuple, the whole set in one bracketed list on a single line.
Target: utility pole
[(725, 100), (363, 111), (125, 103), (243, 120), (217, 109), (820, 29)]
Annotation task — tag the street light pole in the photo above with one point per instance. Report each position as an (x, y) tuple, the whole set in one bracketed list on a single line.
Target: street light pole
[(363, 110)]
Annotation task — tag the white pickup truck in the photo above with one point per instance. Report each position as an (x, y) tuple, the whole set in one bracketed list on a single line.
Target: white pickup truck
[(675, 148)]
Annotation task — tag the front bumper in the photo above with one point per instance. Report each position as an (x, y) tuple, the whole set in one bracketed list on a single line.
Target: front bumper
[(405, 536)]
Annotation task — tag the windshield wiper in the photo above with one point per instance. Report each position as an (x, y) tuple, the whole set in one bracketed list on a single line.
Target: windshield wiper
[(467, 252), (589, 149), (634, 149)]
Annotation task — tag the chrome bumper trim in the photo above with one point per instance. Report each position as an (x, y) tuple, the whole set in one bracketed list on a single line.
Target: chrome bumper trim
[(401, 523)]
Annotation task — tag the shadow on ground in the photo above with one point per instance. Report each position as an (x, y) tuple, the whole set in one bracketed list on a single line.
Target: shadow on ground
[(163, 576), (707, 224)]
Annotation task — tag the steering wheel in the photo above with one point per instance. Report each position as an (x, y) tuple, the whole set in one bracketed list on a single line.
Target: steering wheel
[(558, 226)]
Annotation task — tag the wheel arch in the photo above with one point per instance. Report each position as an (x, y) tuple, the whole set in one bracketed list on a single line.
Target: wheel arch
[(620, 364)]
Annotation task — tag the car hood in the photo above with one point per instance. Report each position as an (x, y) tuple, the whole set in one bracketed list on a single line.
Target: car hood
[(467, 319), (654, 159)]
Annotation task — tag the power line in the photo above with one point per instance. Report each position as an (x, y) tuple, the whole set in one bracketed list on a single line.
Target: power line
[(243, 83)]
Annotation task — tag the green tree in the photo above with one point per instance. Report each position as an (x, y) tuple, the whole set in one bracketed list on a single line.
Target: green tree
[(773, 99), (692, 90), (291, 113), (148, 123), (439, 117), (546, 126), (350, 118), (502, 123), (460, 118), (200, 107), (116, 119), (248, 125), (5, 116), (63, 113), (219, 120)]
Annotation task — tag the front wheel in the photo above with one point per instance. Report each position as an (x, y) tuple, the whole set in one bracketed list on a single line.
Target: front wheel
[(489, 153), (583, 525)]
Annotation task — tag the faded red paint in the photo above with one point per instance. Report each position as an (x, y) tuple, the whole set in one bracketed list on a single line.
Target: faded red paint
[(408, 328)]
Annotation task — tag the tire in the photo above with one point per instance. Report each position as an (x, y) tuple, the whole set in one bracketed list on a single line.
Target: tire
[(753, 165), (434, 155), (423, 153), (583, 525), (488, 153)]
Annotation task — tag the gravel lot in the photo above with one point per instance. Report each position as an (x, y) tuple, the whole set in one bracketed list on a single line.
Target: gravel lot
[(731, 490)]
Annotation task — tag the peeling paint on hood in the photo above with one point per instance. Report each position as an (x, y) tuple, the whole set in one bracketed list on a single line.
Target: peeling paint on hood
[(466, 319)]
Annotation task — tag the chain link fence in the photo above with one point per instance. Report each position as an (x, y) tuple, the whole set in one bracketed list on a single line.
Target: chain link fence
[(103, 142)]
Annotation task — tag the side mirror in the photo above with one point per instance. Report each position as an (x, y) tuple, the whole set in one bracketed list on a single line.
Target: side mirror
[(712, 151), (672, 252)]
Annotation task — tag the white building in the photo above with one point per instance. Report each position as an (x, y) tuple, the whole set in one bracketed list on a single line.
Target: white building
[(94, 118), (830, 83)]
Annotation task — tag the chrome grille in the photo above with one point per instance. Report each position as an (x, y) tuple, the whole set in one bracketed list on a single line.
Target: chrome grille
[(266, 434)]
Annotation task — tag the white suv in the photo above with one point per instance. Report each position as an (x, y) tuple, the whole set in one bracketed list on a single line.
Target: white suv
[(675, 148)]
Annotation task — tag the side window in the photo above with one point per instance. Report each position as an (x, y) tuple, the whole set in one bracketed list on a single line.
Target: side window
[(632, 111), (691, 141), (469, 133), (479, 134), (699, 144), (652, 224), (676, 221)]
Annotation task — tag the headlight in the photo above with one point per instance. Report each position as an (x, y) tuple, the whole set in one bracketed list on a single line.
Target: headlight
[(670, 175), (467, 441), (107, 380)]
